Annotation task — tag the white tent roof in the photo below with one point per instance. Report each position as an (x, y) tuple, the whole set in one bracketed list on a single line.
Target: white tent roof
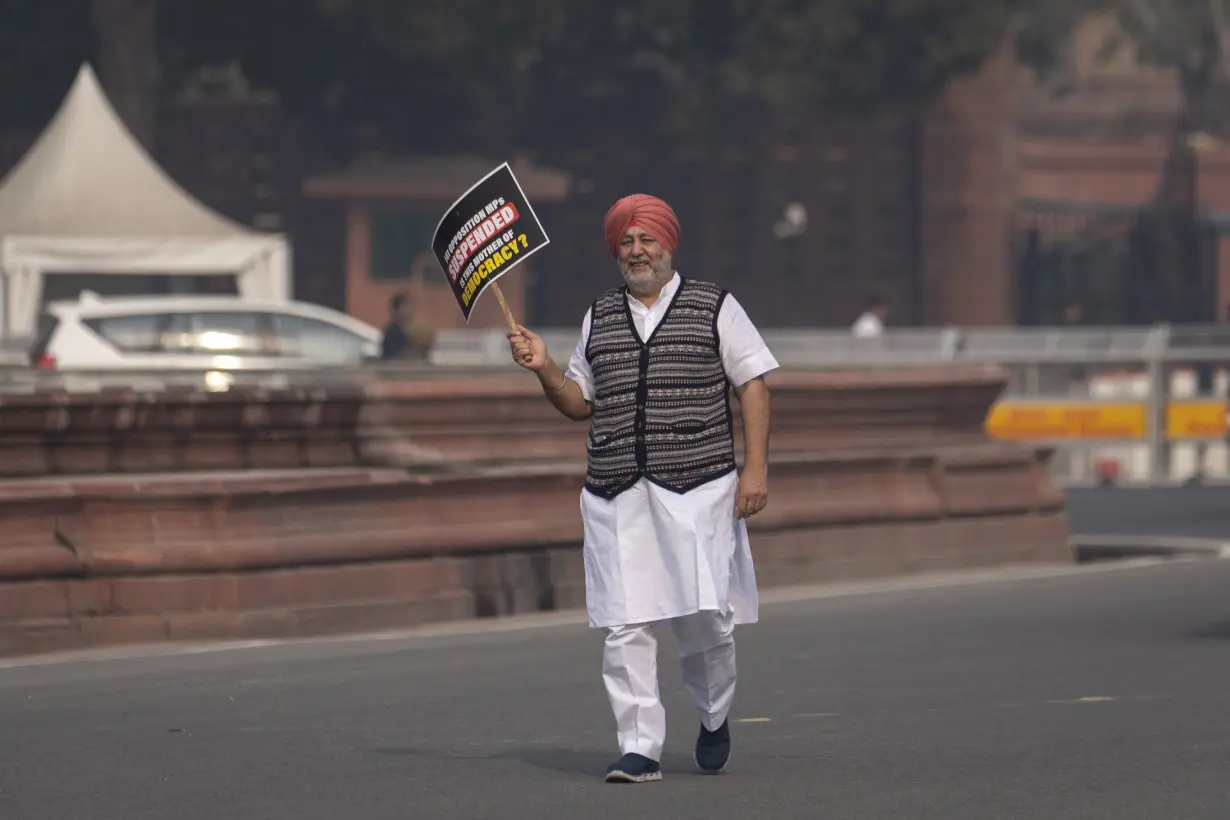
[(88, 199), (88, 176)]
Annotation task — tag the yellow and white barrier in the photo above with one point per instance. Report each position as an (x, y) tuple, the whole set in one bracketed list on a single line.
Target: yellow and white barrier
[(1114, 421)]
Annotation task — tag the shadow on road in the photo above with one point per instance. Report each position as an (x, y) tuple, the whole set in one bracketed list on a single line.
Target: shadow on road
[(1202, 512), (566, 761), (1217, 631)]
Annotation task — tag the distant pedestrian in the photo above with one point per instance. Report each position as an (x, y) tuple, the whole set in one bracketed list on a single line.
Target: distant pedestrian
[(870, 323), (405, 336), (1073, 314)]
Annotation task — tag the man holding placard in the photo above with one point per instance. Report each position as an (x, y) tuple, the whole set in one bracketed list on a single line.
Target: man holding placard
[(664, 505)]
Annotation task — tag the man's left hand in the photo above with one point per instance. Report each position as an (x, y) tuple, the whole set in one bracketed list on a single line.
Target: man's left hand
[(753, 492)]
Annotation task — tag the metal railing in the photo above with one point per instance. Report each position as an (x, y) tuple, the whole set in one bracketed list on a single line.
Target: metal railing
[(825, 348), (1121, 402), (1117, 403)]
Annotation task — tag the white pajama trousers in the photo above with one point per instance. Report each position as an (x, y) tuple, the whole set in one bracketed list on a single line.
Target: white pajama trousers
[(630, 672)]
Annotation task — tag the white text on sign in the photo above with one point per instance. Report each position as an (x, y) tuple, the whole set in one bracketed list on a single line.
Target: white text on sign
[(503, 216), (493, 263), (474, 220)]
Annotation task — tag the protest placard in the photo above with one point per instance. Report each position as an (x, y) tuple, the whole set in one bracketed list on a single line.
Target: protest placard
[(487, 232)]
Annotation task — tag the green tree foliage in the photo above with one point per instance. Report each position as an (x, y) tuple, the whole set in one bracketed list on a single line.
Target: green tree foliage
[(1043, 28), (434, 71), (856, 56), (127, 64), (1192, 37), (42, 45), (1189, 37), (631, 65)]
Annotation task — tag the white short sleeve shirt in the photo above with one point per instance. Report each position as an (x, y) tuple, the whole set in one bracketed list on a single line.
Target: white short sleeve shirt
[(745, 355)]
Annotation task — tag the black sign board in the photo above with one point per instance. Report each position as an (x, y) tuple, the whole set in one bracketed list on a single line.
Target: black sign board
[(488, 231)]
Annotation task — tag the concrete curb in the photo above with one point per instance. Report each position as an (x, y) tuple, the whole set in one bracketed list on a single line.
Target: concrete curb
[(1089, 548), (486, 627)]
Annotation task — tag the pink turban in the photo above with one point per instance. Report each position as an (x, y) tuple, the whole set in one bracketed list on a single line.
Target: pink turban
[(645, 211)]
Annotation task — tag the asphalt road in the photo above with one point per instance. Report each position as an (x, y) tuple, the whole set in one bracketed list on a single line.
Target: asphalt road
[(1194, 512), (1094, 693)]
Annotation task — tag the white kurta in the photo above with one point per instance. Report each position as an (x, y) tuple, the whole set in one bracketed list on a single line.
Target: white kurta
[(652, 554)]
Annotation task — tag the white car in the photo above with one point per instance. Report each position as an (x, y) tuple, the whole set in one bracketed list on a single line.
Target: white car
[(197, 333)]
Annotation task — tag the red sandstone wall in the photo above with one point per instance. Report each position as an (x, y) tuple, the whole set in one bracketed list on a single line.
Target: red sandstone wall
[(967, 196), (311, 511)]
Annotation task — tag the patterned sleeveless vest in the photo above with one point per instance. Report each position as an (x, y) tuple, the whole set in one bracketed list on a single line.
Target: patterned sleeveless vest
[(661, 406)]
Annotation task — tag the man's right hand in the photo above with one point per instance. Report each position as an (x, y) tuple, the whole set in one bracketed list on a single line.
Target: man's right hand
[(528, 349)]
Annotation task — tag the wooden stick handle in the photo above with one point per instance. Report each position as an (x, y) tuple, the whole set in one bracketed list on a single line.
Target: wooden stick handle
[(499, 295), (512, 323)]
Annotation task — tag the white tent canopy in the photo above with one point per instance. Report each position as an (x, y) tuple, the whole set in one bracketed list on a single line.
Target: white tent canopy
[(88, 199)]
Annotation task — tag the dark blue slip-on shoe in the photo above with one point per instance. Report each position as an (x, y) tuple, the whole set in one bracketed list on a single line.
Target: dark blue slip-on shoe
[(634, 768), (713, 748)]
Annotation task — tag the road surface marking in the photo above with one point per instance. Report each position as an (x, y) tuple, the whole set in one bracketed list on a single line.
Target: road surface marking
[(1089, 699)]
